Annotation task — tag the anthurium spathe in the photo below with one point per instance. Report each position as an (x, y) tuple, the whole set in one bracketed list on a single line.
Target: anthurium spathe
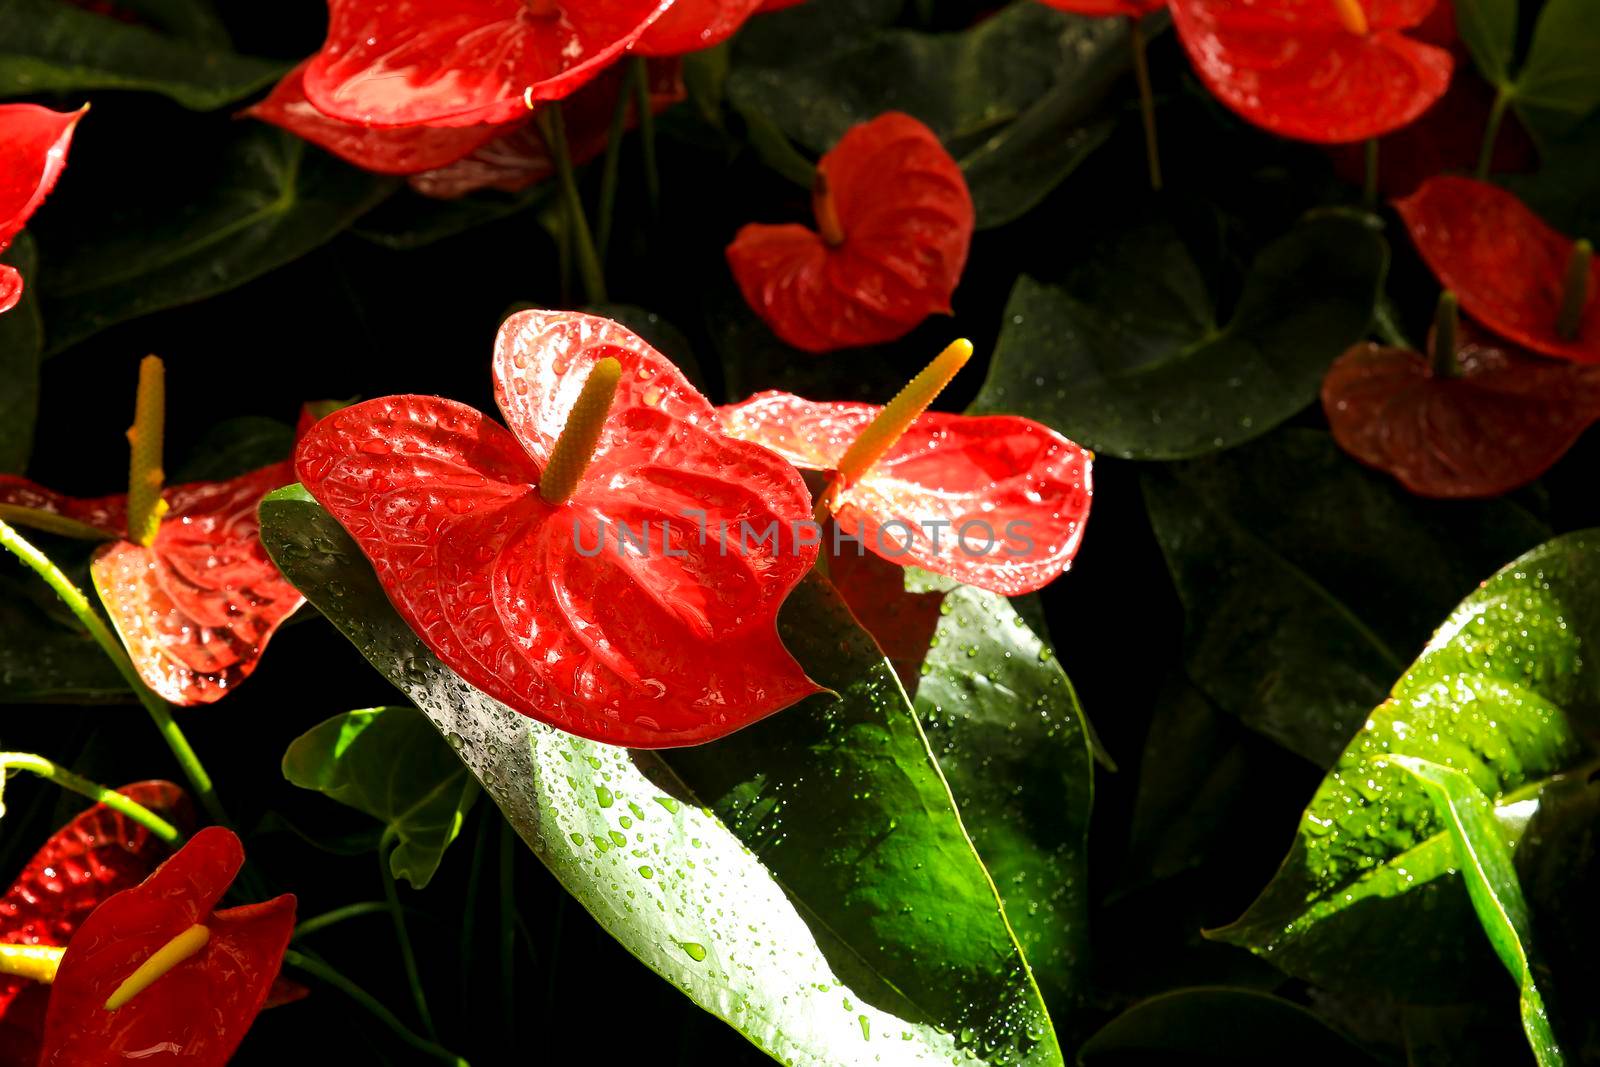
[(98, 853), (507, 551), (465, 62), (994, 501), (894, 222), (690, 25), (1330, 71), (1511, 271), (33, 150), (157, 975)]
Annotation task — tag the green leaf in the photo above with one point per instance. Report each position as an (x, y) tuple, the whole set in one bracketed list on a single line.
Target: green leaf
[(806, 880), (1308, 580), (392, 764), (1560, 82), (1214, 1024), (21, 348), (410, 220), (55, 46), (265, 199), (1489, 30), (1368, 896), (45, 660), (237, 446), (1127, 357), (1485, 859)]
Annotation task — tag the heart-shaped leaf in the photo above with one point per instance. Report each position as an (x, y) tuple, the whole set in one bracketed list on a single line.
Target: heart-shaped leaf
[(1559, 83), (1307, 580), (45, 660), (1489, 30), (1369, 896), (1217, 1024), (1129, 358), (806, 880), (392, 764), (270, 199), (58, 46), (21, 347)]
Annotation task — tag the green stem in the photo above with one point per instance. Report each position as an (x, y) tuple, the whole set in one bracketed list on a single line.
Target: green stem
[(508, 927), (408, 956), (318, 923), (647, 134), (611, 170), (1491, 133), (1147, 101), (326, 974), (1369, 187), (554, 129), (159, 711), (26, 761), (488, 815), (1446, 319)]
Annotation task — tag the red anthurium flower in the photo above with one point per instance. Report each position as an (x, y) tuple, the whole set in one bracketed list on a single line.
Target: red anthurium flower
[(895, 221), (994, 501), (1500, 419), (1512, 273), (464, 62), (1331, 71), (33, 149), (95, 855), (1106, 8), (669, 639), (156, 975), (690, 25)]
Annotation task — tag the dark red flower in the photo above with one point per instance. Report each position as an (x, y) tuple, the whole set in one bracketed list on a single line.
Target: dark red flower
[(1506, 266), (33, 150), (1331, 71), (1499, 423), (95, 855), (690, 25), (994, 501), (194, 1013), (895, 219), (1107, 8), (671, 643), (464, 62)]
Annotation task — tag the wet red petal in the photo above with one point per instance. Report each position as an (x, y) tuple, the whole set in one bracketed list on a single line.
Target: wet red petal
[(998, 473), (33, 150), (907, 219), (518, 158), (10, 287), (650, 648), (1503, 422), (108, 514), (95, 855), (901, 623), (463, 62), (198, 1012), (1291, 67), (1505, 265), (690, 25), (406, 150)]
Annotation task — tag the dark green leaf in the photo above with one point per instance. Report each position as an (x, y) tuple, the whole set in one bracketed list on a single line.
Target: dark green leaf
[(1307, 580), (56, 46), (1560, 82), (21, 348), (1489, 30), (806, 880), (270, 199), (44, 660), (392, 764), (410, 220), (1128, 357), (1369, 895), (237, 446)]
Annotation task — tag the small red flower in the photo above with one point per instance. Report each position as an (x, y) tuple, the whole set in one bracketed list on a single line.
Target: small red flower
[(194, 1013), (33, 150), (1107, 8), (1506, 266), (95, 855), (669, 639), (1499, 423), (690, 25), (896, 221), (464, 62), (1331, 71), (994, 501)]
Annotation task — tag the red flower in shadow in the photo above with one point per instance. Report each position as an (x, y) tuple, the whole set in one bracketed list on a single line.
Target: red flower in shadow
[(33, 150), (895, 222), (690, 25)]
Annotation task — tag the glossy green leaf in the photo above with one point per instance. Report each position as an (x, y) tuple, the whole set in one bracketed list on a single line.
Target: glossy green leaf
[(1129, 358), (1308, 581), (392, 764), (410, 220), (44, 659), (21, 348), (1559, 83), (1489, 30), (236, 446), (57, 46), (1484, 858), (191, 20), (1216, 1024), (1369, 895), (806, 880), (264, 199)]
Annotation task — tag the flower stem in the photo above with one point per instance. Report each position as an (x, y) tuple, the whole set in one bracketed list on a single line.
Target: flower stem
[(554, 129), (319, 970), (117, 802), (1147, 100), (508, 927), (1446, 319), (611, 170), (647, 133), (1491, 133), (318, 923), (1369, 186), (408, 956)]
